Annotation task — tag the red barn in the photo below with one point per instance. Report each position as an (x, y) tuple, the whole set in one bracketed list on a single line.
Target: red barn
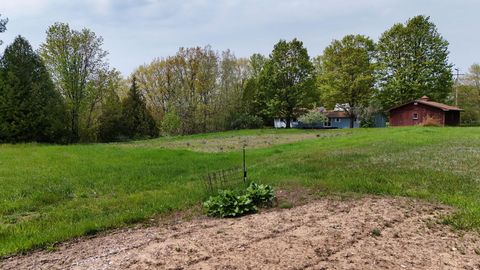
[(417, 111)]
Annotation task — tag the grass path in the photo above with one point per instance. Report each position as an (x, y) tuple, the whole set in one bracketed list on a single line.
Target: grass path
[(54, 193)]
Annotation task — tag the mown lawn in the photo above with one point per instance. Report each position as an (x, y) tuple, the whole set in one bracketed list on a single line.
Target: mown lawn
[(53, 193)]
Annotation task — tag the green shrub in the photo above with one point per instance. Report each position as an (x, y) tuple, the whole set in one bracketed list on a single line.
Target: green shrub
[(313, 118), (171, 123), (227, 204), (261, 195), (245, 121)]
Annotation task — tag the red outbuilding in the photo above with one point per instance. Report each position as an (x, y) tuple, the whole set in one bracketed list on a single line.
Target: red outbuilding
[(416, 112)]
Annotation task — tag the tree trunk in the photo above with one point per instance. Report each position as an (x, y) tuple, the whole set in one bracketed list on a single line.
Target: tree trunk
[(288, 120), (352, 121), (74, 136)]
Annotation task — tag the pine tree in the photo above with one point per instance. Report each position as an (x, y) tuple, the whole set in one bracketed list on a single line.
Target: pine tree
[(30, 108), (137, 121)]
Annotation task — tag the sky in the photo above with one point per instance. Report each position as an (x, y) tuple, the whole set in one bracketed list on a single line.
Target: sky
[(137, 31)]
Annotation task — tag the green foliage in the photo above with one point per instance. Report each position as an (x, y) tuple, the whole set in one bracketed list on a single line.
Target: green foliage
[(3, 26), (261, 195), (245, 121), (412, 62), (171, 123), (111, 121), (227, 204), (312, 118), (202, 86), (468, 93), (75, 59), (253, 99), (30, 108), (286, 82), (137, 122), (366, 114), (346, 73)]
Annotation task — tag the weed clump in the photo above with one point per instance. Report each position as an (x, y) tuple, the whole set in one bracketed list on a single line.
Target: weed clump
[(376, 232)]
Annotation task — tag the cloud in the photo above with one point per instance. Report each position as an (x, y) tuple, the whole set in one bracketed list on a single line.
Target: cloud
[(136, 31)]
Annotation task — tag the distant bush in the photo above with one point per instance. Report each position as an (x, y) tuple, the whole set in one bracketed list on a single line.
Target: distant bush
[(431, 121), (312, 117), (228, 204), (171, 124), (245, 121)]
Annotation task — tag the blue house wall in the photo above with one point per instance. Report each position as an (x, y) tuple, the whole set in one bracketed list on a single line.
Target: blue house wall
[(343, 123), (380, 120)]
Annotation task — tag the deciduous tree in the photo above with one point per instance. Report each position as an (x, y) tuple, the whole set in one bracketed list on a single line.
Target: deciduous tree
[(3, 26), (287, 82), (468, 92), (412, 62), (74, 58), (346, 73)]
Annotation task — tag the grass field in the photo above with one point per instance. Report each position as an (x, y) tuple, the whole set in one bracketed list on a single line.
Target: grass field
[(53, 193)]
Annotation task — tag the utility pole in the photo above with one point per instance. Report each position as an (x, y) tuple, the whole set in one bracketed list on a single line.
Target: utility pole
[(456, 87), (457, 74)]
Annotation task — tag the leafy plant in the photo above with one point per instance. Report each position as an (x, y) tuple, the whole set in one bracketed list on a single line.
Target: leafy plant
[(227, 204), (312, 118), (260, 194)]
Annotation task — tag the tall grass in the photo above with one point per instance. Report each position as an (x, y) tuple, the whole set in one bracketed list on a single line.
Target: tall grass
[(53, 193)]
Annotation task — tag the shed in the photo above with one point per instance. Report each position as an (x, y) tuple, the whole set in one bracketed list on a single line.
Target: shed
[(417, 111)]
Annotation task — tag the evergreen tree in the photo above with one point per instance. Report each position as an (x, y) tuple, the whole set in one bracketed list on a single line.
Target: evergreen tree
[(412, 62), (137, 121), (30, 108)]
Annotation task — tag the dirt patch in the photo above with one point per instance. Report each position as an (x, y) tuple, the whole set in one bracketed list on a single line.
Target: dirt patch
[(231, 143), (366, 233)]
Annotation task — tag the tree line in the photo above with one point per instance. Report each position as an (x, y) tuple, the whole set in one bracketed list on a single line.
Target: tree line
[(66, 92)]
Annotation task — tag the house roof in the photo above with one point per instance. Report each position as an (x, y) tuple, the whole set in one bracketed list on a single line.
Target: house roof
[(332, 113), (336, 114), (426, 101)]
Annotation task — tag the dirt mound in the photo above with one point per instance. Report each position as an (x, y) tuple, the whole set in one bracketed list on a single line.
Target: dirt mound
[(367, 233)]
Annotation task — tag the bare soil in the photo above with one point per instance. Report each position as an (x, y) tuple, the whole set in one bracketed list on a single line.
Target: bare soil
[(235, 142), (365, 233)]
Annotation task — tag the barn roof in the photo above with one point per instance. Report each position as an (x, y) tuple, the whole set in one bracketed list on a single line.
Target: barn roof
[(426, 101)]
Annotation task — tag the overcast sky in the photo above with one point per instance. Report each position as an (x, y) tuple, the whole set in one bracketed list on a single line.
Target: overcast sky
[(136, 31)]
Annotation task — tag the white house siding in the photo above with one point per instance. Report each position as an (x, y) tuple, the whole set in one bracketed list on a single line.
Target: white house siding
[(281, 123)]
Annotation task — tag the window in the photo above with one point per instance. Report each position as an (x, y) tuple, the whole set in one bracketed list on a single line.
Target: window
[(337, 120), (327, 123), (415, 116)]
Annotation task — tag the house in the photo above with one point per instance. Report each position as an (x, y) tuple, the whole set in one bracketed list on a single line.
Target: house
[(336, 118), (417, 111), (339, 119)]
